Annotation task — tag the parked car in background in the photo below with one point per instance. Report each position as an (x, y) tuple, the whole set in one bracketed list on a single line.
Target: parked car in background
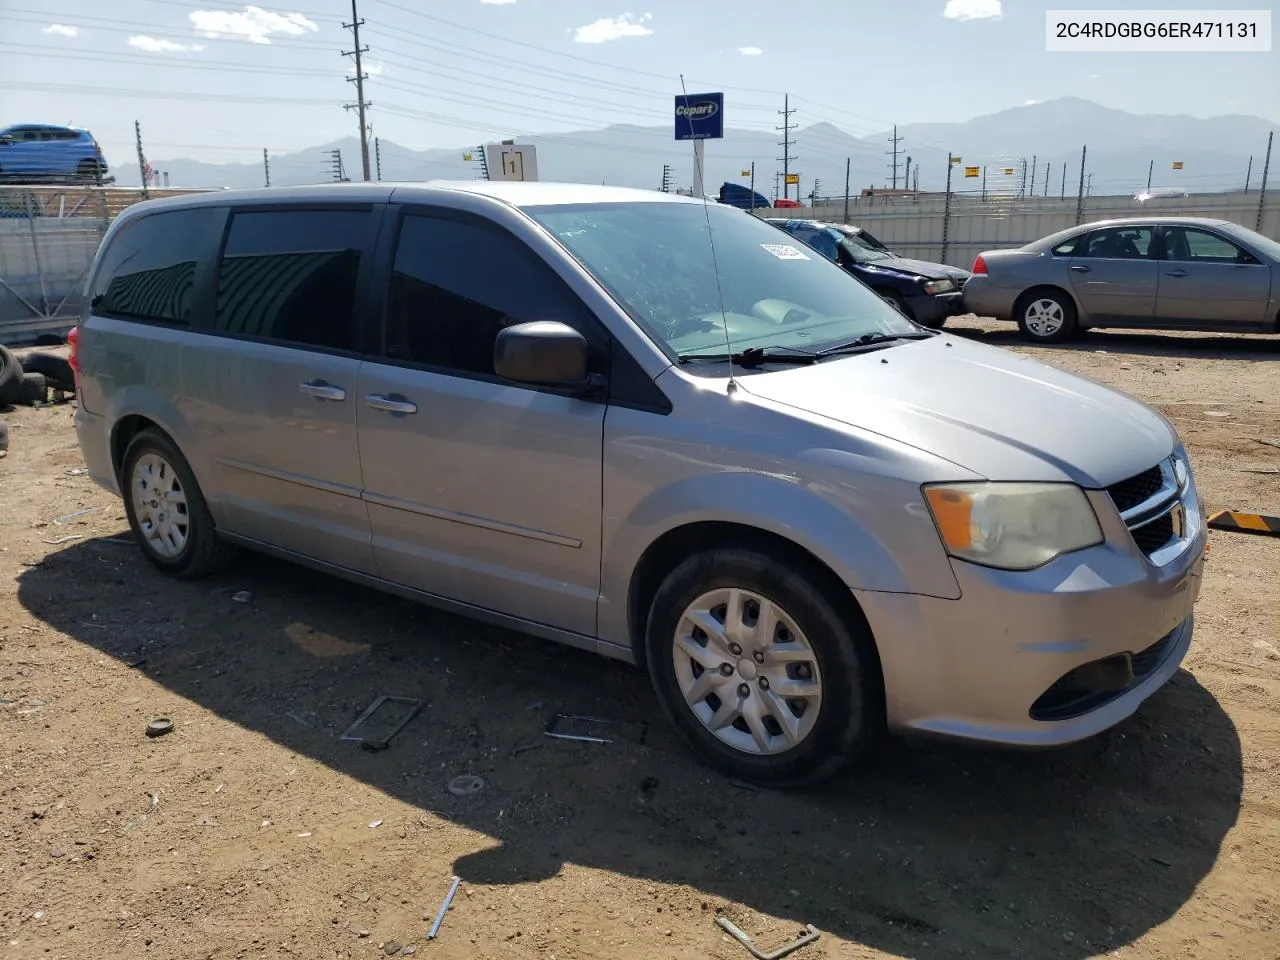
[(553, 407), (925, 292), (39, 151), (736, 195), (1169, 273)]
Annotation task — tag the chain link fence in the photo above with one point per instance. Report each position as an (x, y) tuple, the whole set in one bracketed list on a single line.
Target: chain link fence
[(48, 237)]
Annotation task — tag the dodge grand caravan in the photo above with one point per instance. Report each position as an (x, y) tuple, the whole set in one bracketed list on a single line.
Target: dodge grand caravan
[(561, 409)]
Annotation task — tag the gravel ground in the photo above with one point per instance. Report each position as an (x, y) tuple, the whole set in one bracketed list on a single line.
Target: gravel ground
[(252, 830)]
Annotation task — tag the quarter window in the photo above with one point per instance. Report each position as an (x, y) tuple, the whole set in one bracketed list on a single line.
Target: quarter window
[(455, 284), (149, 270), (290, 275), (1118, 243)]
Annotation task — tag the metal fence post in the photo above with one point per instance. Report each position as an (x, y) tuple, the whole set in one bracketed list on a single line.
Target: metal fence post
[(1080, 196), (946, 209), (1262, 194), (35, 252), (847, 162)]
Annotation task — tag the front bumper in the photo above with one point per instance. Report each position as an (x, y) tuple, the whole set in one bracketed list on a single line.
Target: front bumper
[(984, 299), (998, 664), (935, 308)]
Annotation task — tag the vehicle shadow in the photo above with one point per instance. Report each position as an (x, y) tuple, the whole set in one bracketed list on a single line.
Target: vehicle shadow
[(925, 850), (1198, 346)]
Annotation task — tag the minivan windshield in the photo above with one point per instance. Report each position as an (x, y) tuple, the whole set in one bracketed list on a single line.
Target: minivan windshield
[(656, 261)]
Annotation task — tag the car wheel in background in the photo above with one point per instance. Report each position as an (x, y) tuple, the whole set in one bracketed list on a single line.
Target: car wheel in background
[(167, 511), (34, 389), (1046, 316), (56, 370), (762, 668)]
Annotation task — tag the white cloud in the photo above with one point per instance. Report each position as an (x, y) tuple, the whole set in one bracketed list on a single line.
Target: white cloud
[(373, 68), (60, 30), (750, 51), (153, 45), (972, 9), (613, 28), (1029, 103), (252, 23)]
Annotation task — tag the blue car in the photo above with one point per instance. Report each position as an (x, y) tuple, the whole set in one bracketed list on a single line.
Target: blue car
[(925, 292), (42, 151)]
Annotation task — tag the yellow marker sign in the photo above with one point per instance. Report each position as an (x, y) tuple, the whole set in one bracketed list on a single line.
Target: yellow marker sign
[(466, 157), (1008, 171), (1177, 164), (746, 173), (793, 178), (955, 161), (972, 171)]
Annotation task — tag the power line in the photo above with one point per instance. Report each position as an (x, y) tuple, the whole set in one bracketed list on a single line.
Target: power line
[(786, 128), (361, 104)]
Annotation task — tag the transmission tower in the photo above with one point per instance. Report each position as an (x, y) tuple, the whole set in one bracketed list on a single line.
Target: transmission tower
[(895, 140), (361, 104), (786, 144)]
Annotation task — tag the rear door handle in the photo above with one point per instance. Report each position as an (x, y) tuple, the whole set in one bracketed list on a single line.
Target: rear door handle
[(322, 391), (1081, 268), (391, 404), (1175, 273)]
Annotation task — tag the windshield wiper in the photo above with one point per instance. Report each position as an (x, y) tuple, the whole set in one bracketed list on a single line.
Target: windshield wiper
[(869, 341), (753, 356)]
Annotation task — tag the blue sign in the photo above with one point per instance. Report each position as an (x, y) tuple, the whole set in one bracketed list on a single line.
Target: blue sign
[(700, 116)]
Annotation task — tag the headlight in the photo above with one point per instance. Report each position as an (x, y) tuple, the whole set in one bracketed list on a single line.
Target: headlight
[(1012, 526), (938, 286)]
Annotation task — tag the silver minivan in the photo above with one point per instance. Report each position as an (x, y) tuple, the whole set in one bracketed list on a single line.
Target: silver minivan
[(649, 427)]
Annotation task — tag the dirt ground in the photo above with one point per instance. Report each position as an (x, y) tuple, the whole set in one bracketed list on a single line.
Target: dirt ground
[(253, 830)]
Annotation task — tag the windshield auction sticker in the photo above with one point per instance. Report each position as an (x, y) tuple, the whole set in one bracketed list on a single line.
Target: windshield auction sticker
[(784, 251)]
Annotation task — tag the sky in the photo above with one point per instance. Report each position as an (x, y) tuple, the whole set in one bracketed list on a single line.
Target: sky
[(220, 81)]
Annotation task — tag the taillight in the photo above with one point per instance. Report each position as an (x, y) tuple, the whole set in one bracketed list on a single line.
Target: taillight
[(73, 358), (979, 267)]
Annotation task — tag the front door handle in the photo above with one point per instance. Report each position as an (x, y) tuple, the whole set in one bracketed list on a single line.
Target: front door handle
[(322, 391), (1081, 268), (391, 404), (1175, 273)]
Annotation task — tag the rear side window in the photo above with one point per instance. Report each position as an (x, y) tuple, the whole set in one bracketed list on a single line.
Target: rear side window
[(149, 270), (290, 275)]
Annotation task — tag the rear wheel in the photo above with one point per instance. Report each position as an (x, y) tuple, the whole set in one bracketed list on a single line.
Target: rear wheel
[(765, 676), (167, 511), (1046, 316)]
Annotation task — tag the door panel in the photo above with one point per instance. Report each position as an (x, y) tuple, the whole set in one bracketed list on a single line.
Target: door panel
[(488, 494), (1203, 281), (273, 394), (1114, 274)]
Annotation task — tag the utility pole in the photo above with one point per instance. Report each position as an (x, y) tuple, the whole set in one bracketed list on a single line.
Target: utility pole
[(848, 161), (142, 161), (1151, 168), (984, 182), (1047, 165), (1262, 192), (895, 140), (916, 185), (1064, 180), (752, 201), (1248, 174), (1088, 190), (786, 158), (377, 157), (361, 104), (1084, 152), (266, 167), (1022, 190), (946, 208)]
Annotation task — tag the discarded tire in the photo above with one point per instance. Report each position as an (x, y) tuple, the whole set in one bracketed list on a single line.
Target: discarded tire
[(10, 377), (50, 340), (33, 389), (56, 370)]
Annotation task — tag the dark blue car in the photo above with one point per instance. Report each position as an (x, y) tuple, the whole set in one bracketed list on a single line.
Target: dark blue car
[(925, 292), (43, 152)]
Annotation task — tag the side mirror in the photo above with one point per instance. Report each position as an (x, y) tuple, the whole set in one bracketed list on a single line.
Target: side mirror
[(545, 353)]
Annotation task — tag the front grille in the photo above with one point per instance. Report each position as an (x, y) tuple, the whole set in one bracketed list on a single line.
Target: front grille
[(1127, 494), (1152, 536)]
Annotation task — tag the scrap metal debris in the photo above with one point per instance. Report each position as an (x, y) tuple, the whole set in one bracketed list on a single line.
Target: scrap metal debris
[(382, 742), (465, 785), (71, 516), (808, 936), (448, 899), (560, 719), (159, 727)]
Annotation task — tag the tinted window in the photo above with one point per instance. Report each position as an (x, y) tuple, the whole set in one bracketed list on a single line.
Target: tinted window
[(149, 270), (456, 284), (291, 275), (1118, 243), (1182, 243)]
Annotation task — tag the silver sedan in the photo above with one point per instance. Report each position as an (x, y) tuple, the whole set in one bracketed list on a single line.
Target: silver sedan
[(1174, 273)]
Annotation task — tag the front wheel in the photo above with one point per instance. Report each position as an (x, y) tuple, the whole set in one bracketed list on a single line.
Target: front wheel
[(167, 511), (765, 676), (1046, 316)]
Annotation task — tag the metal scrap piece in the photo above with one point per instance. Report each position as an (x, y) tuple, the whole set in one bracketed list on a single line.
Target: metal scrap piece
[(350, 733), (448, 899), (809, 936), (554, 723)]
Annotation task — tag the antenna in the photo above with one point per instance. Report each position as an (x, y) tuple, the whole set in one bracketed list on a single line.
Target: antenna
[(715, 265)]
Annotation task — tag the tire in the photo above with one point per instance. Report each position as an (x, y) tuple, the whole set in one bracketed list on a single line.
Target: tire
[(34, 389), (10, 377), (152, 456), (50, 340), (56, 370), (1046, 316), (895, 301), (841, 660)]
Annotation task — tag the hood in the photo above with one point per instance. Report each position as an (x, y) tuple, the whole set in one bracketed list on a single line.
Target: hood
[(996, 413), (919, 268)]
